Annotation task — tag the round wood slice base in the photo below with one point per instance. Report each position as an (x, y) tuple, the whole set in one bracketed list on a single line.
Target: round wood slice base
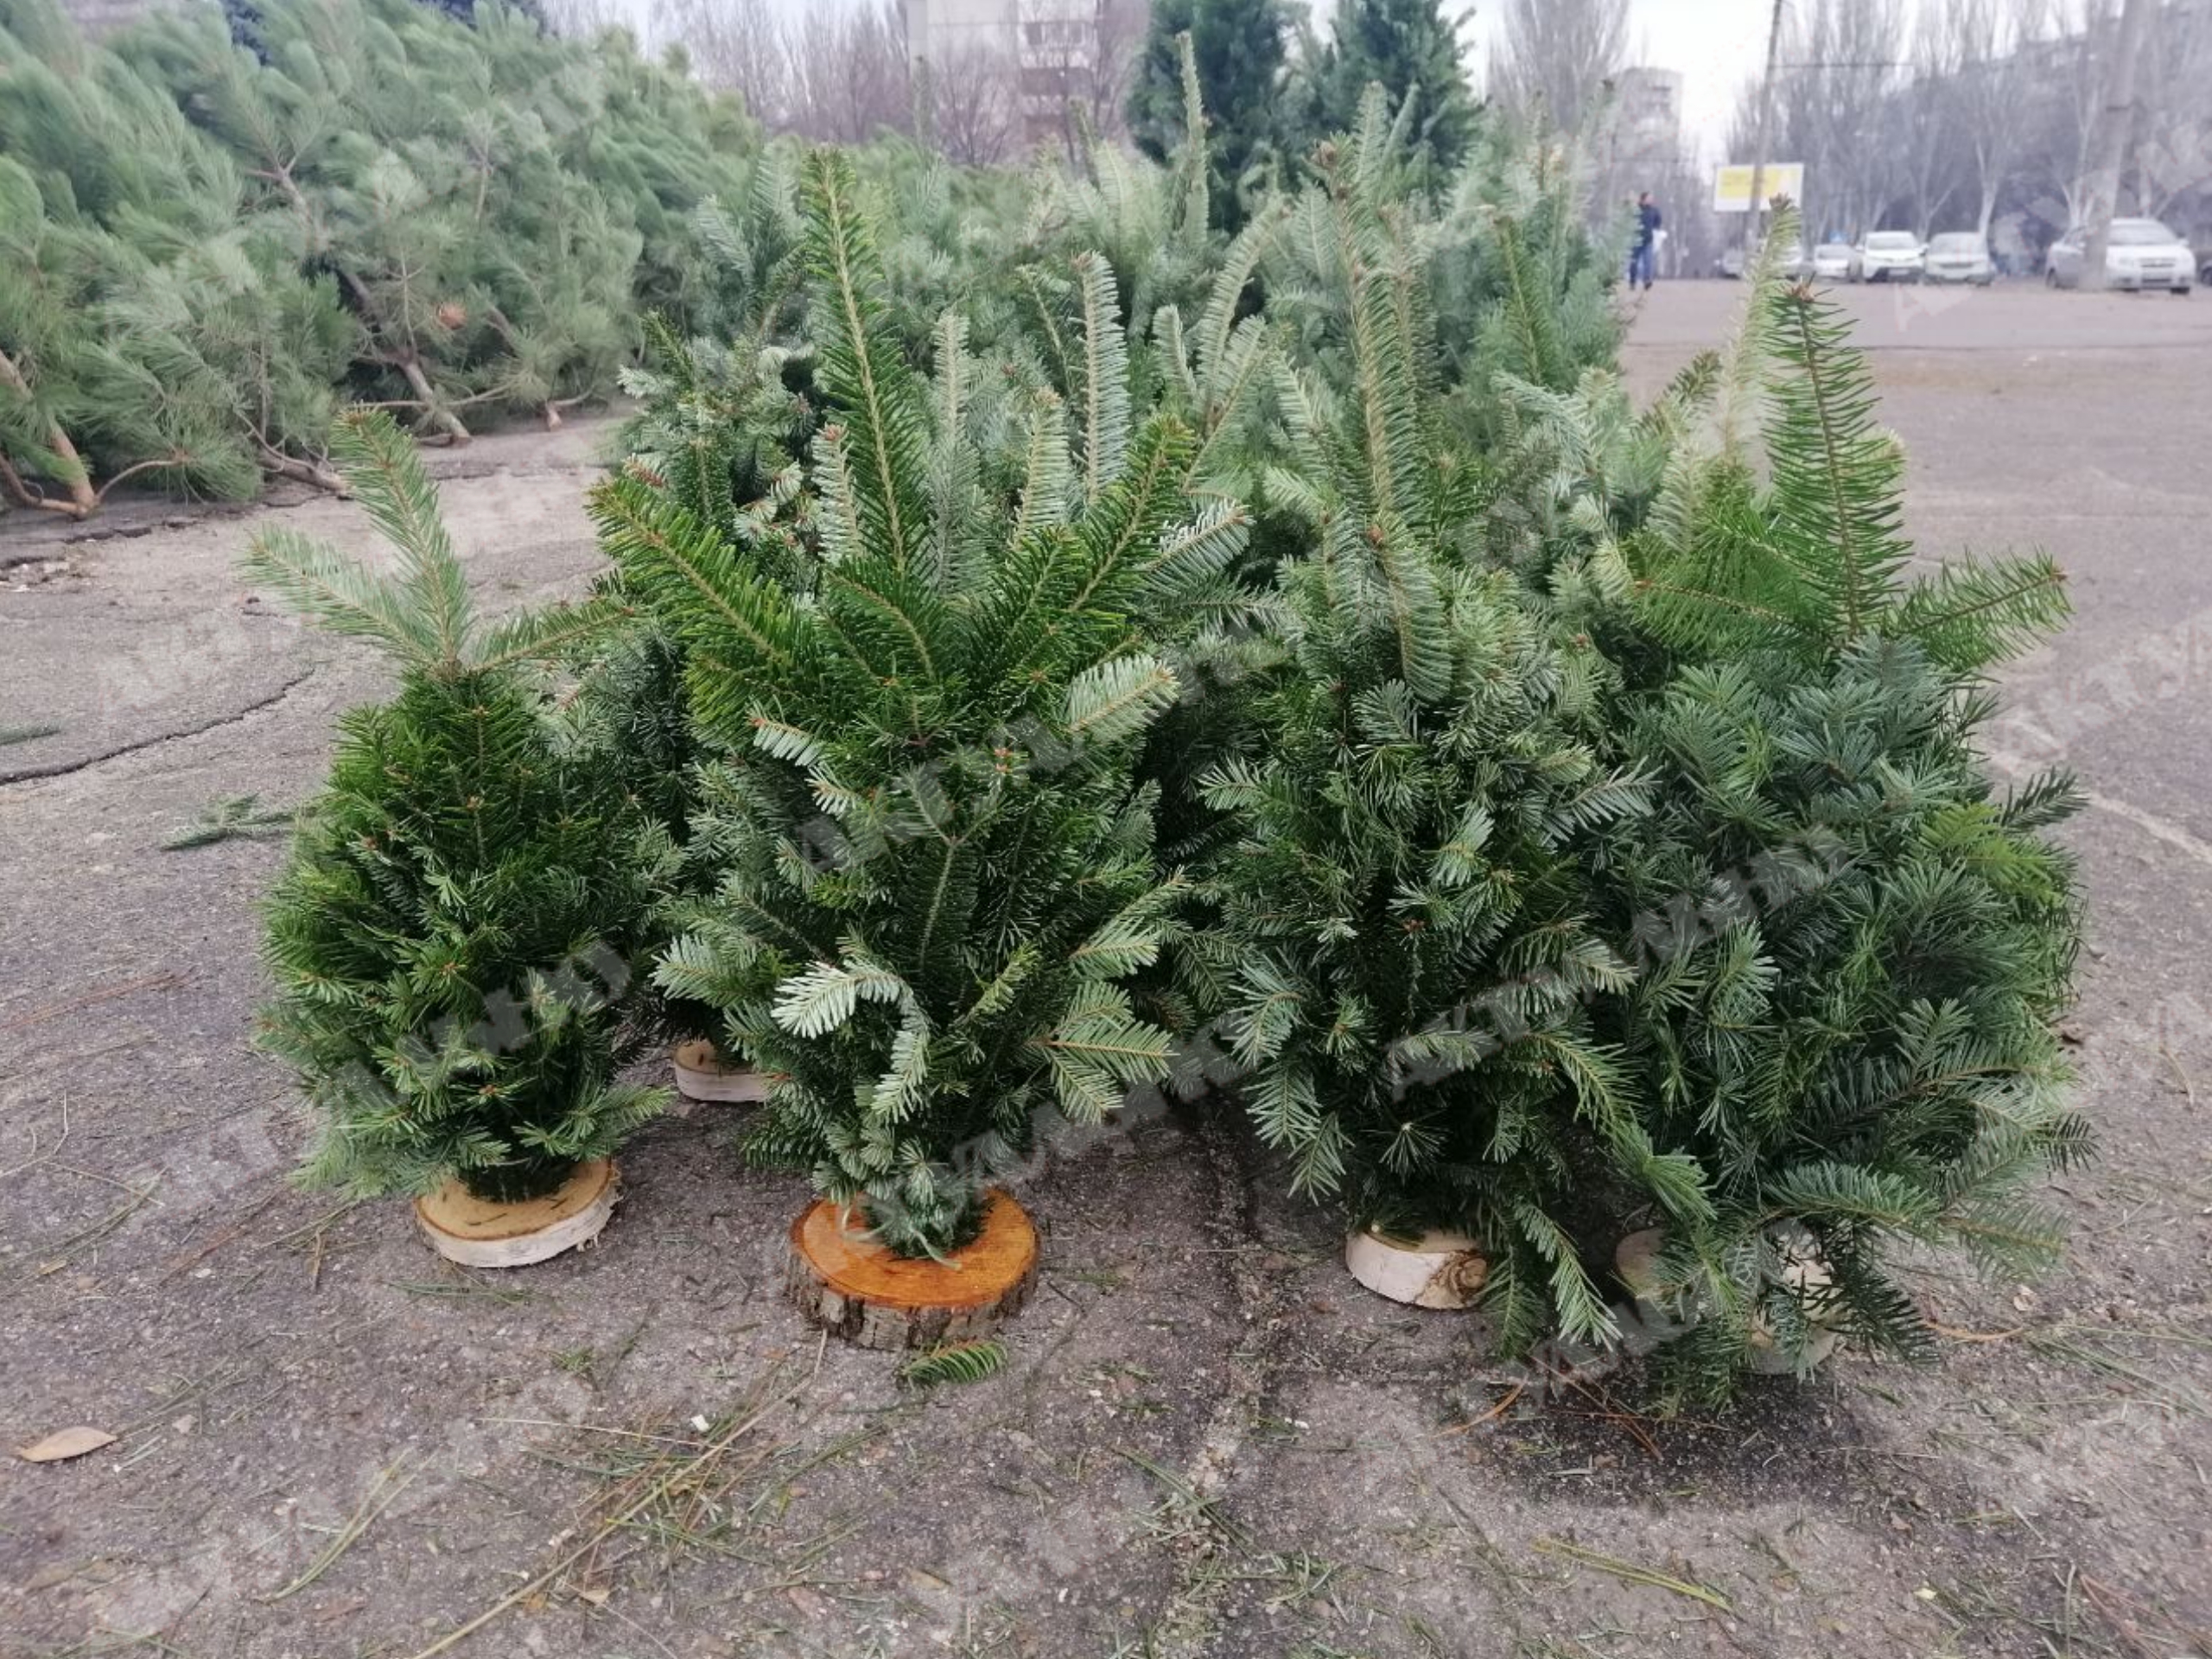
[(479, 1233), (1442, 1270), (1635, 1261), (843, 1281), (1768, 1360), (702, 1075)]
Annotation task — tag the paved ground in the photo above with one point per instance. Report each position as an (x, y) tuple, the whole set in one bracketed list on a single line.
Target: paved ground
[(1207, 1442)]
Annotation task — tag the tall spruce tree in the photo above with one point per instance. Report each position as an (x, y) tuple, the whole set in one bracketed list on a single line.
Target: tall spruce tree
[(1409, 48)]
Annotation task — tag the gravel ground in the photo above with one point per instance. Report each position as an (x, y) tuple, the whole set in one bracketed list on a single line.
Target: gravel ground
[(1207, 1442)]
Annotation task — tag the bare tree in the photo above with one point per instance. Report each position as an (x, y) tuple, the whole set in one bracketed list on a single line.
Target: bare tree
[(2171, 170), (2069, 96), (1929, 104), (1559, 55), (1084, 79), (970, 101), (849, 77), (2115, 132), (1989, 45), (736, 45), (1837, 110)]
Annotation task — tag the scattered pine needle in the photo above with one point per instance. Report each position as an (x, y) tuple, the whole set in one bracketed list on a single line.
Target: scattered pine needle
[(1630, 1572), (1512, 1397), (1952, 1334), (665, 1480), (234, 817), (387, 1485), (958, 1361)]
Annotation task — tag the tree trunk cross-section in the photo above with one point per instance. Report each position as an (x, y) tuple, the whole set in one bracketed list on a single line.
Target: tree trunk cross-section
[(702, 1073), (845, 1282), (480, 1233), (1444, 1270)]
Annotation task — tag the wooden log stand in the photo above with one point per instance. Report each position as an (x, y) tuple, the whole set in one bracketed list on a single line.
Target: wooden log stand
[(1443, 1270), (842, 1280), (1636, 1259), (703, 1074), (481, 1233)]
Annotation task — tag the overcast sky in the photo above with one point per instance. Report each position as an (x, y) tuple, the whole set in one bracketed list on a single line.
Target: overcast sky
[(1717, 44)]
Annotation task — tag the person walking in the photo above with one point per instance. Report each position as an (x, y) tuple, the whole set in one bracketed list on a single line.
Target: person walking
[(1643, 262)]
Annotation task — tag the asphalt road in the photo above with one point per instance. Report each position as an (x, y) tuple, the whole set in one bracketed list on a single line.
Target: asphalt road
[(1207, 1441)]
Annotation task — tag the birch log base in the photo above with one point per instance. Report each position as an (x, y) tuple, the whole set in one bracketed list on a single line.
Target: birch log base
[(845, 1281), (481, 1233), (1443, 1270), (1636, 1259), (703, 1074)]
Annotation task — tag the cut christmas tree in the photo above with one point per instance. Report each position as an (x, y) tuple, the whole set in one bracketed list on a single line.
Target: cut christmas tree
[(1404, 949), (926, 705), (453, 938), (1852, 944)]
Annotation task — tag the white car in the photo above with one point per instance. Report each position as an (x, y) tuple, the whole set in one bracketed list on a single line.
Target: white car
[(1961, 257), (1892, 256), (1835, 262), (2142, 254), (1794, 264)]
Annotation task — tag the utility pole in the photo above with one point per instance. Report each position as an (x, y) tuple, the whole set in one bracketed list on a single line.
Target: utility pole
[(1765, 135), (2112, 140)]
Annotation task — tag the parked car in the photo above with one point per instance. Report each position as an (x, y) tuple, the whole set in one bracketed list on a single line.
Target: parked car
[(1835, 262), (2204, 270), (1797, 264), (2143, 254), (1892, 256), (1961, 257)]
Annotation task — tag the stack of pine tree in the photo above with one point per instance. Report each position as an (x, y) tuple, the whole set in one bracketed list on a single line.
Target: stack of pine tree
[(208, 245)]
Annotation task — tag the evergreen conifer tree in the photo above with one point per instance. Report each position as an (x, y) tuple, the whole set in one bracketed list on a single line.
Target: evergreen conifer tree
[(924, 702), (169, 334), (1404, 947), (1239, 51), (1411, 49), (465, 902), (1851, 945)]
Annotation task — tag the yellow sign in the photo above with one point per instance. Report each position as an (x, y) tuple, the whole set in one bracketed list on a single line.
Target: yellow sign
[(1731, 186)]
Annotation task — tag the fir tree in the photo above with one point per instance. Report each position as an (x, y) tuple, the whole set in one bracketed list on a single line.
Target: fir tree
[(1411, 49), (1404, 948), (453, 937), (924, 705), (1852, 945)]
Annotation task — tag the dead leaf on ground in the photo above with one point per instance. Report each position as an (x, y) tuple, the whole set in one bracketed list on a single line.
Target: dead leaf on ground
[(65, 1443)]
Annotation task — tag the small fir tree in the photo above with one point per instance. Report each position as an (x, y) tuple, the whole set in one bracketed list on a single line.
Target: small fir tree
[(1852, 945), (1404, 948), (925, 702), (452, 938)]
